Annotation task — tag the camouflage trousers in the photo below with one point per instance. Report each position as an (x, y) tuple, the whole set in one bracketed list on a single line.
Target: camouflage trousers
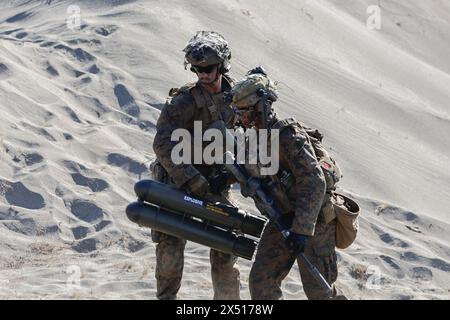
[(170, 258), (273, 262), (170, 262)]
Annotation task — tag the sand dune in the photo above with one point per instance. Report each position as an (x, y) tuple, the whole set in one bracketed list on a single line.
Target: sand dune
[(79, 108)]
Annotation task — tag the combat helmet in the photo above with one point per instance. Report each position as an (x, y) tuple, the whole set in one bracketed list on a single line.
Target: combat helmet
[(208, 48), (255, 92)]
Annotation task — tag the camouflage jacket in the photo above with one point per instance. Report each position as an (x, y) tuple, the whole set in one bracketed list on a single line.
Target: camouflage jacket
[(188, 104), (307, 191)]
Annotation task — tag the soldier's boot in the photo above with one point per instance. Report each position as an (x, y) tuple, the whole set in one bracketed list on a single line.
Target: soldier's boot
[(169, 265), (225, 276), (272, 264)]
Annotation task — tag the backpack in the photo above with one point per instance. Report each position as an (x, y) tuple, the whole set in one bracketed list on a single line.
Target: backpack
[(329, 166)]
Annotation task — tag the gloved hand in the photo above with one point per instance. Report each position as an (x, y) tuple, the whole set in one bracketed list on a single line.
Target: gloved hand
[(246, 189), (218, 182), (198, 185), (296, 242)]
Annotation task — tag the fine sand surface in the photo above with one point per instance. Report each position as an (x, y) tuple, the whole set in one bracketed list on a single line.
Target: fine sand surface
[(78, 108)]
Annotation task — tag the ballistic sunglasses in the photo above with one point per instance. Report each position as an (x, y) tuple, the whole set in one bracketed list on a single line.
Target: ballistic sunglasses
[(207, 69)]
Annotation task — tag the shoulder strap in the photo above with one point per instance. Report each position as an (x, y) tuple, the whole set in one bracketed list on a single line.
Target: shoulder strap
[(184, 89), (229, 79), (204, 100)]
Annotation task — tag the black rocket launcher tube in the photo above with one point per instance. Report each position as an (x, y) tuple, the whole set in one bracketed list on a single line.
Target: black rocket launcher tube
[(185, 227), (219, 214)]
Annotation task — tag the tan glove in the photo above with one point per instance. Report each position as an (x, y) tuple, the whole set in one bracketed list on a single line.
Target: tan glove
[(198, 185)]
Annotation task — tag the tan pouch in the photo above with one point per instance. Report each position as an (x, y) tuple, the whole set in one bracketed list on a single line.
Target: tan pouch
[(347, 212)]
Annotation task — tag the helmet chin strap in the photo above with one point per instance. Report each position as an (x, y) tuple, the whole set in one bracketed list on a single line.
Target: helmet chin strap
[(218, 74), (262, 108)]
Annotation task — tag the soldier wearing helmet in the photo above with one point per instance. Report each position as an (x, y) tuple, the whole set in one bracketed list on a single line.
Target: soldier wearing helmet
[(207, 51), (305, 186), (208, 55)]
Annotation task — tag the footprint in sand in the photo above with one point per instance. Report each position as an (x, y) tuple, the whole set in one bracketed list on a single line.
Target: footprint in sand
[(32, 158), (4, 71), (73, 116), (85, 210), (126, 101), (421, 274), (102, 225), (86, 80), (3, 68), (78, 73), (393, 264), (132, 245), (119, 160), (25, 226), (8, 32), (17, 194), (78, 53), (25, 158), (19, 17), (388, 238), (21, 35), (106, 30), (86, 245), (398, 214), (47, 44), (86, 241), (391, 240), (80, 232), (146, 125), (94, 69), (390, 261), (52, 71), (431, 262), (95, 184), (67, 136), (38, 131), (74, 166)]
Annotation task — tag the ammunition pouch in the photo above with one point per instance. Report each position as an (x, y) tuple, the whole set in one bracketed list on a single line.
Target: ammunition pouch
[(158, 173), (346, 211)]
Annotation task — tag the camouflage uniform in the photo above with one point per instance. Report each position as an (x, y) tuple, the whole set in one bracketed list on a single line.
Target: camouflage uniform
[(307, 196), (191, 103), (306, 179)]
